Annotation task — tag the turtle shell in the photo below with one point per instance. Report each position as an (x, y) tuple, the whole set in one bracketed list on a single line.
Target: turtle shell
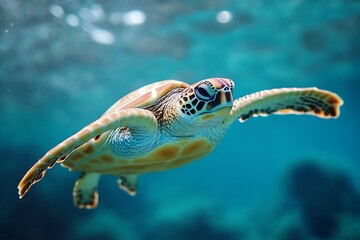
[(146, 95), (139, 98)]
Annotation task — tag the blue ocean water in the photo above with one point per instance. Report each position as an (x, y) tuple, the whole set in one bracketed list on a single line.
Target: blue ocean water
[(63, 63)]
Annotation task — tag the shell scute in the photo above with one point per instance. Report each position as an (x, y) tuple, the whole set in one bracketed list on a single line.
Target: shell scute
[(107, 158), (197, 146), (167, 152), (89, 149), (146, 95)]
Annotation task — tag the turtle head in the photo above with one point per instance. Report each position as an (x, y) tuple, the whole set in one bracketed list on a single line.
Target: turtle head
[(207, 99)]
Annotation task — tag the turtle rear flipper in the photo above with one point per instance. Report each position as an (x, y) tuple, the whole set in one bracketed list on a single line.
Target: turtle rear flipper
[(128, 183), (133, 118), (85, 190), (311, 101)]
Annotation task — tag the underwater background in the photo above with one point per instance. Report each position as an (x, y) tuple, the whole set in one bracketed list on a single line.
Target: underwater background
[(63, 63)]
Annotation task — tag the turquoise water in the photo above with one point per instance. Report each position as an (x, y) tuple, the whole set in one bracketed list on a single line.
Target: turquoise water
[(63, 63)]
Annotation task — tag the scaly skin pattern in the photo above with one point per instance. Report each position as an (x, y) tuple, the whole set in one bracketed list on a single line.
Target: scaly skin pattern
[(165, 125)]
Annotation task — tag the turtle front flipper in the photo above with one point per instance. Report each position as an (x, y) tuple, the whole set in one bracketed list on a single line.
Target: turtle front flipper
[(311, 101), (133, 118), (85, 191)]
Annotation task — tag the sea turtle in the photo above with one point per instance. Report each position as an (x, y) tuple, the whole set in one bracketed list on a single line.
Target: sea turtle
[(166, 125)]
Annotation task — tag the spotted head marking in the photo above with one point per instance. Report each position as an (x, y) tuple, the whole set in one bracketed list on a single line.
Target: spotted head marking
[(207, 96)]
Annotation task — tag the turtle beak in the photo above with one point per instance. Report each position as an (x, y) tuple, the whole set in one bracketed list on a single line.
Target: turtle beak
[(228, 97), (222, 99), (225, 105), (227, 86)]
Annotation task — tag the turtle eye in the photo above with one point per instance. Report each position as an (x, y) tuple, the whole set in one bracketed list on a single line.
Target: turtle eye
[(204, 92)]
